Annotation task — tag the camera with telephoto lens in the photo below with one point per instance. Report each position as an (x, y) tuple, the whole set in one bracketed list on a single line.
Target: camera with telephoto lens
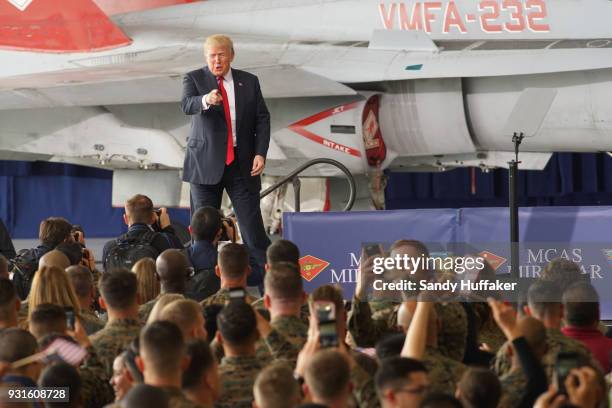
[(228, 230), (76, 232)]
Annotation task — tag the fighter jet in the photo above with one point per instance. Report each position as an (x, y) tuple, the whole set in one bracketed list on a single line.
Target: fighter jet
[(376, 84)]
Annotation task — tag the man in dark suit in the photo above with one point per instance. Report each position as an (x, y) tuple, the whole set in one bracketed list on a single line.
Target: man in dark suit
[(230, 134)]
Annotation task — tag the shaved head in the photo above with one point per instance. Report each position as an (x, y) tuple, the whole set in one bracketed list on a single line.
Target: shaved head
[(54, 258), (172, 268)]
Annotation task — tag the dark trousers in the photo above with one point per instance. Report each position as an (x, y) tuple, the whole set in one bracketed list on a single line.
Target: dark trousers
[(246, 207)]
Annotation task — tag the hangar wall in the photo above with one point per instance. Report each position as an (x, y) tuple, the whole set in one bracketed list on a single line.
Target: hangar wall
[(568, 179), (31, 191)]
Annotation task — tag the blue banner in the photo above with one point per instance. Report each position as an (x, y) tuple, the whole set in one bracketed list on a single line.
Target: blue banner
[(330, 243)]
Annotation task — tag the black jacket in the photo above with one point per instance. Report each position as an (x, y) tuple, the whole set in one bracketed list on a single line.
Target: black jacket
[(165, 239)]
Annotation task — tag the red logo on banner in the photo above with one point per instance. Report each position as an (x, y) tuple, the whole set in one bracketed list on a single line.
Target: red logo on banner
[(311, 266), (492, 259)]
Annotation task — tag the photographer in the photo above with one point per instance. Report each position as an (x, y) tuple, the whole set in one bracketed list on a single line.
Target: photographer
[(149, 234), (206, 230), (53, 231), (87, 258)]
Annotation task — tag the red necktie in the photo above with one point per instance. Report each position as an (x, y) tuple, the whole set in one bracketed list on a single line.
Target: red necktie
[(229, 157)]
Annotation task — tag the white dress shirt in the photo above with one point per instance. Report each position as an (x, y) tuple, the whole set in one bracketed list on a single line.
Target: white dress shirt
[(228, 84)]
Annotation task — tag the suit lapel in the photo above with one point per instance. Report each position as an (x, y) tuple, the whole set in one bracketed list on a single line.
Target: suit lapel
[(210, 80), (237, 98)]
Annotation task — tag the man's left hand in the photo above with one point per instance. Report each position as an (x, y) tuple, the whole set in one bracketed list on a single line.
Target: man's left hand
[(258, 165)]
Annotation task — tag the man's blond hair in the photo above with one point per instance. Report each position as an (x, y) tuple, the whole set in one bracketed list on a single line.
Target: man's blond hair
[(183, 313), (218, 40)]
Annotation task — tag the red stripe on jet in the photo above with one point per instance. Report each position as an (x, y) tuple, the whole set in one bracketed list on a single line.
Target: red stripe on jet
[(299, 128)]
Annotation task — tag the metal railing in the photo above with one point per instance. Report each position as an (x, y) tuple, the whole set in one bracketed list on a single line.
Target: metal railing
[(293, 178)]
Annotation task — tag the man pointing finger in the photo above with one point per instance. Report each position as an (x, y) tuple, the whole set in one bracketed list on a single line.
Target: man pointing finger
[(229, 140)]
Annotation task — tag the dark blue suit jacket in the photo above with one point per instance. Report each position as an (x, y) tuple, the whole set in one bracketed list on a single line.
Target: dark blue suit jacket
[(202, 255), (207, 143)]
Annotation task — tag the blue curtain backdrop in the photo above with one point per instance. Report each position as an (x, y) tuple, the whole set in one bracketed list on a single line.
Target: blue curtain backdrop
[(32, 191), (568, 179)]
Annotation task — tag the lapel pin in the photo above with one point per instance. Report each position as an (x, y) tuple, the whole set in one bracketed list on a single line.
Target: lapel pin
[(239, 83)]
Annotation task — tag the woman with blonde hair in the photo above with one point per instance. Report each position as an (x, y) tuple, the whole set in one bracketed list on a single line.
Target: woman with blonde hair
[(148, 282), (52, 285)]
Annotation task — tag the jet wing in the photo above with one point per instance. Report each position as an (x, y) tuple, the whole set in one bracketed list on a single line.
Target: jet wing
[(276, 82), (294, 57), (293, 69), (384, 59)]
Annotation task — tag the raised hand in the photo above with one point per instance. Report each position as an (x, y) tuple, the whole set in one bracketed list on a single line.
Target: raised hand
[(505, 316), (214, 97)]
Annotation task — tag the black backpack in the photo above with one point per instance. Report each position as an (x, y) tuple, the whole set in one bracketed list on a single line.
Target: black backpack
[(127, 250), (23, 267)]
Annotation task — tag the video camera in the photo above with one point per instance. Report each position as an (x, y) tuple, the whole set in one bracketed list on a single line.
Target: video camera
[(228, 230)]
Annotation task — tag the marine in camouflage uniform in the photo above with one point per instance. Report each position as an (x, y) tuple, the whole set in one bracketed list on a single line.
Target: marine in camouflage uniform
[(112, 340), (273, 347), (237, 378), (304, 311), (280, 348), (362, 378), (177, 399), (222, 297), (491, 335), (95, 393), (368, 322), (293, 330), (513, 385), (556, 342), (144, 310), (488, 331), (452, 332), (91, 322), (443, 372)]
